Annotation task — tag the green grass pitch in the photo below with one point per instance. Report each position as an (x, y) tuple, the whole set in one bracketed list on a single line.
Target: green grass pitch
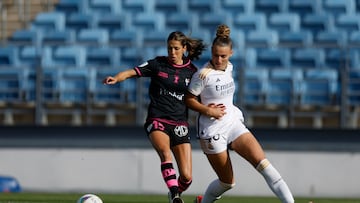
[(137, 198)]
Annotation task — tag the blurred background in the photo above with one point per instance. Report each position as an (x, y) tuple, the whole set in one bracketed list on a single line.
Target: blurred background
[(297, 71), (296, 62)]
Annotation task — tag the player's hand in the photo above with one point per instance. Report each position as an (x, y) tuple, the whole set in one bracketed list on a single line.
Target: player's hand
[(109, 81), (216, 111)]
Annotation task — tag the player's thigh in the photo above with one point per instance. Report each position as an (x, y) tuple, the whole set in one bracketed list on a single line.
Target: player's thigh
[(249, 148), (161, 143), (222, 166)]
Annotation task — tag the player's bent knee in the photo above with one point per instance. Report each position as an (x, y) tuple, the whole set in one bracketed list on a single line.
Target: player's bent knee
[(263, 164)]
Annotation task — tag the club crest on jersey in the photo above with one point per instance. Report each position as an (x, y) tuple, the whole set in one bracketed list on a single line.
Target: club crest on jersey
[(181, 130)]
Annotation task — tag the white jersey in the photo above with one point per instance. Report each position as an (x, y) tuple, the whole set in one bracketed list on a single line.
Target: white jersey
[(217, 87)]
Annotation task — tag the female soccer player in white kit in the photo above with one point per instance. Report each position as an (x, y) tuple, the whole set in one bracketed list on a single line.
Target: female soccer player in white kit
[(221, 127)]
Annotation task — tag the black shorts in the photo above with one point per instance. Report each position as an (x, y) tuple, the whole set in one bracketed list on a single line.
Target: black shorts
[(177, 131)]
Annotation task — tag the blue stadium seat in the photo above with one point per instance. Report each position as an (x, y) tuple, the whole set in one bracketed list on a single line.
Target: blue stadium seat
[(180, 21), (238, 38), (244, 58), (331, 38), (354, 38), (269, 7), (237, 6), (25, 37), (148, 21), (155, 38), (125, 38), (353, 87), (11, 84), (348, 22), (93, 37), (64, 56), (135, 7), (131, 56), (304, 7), (255, 81), (308, 58), (72, 6), (284, 22), (354, 58), (273, 58), (282, 85), (48, 21), (319, 87), (300, 38), (73, 85), (79, 21), (56, 38), (336, 58), (262, 38), (169, 7), (30, 56), (336, 8), (9, 56), (107, 94), (100, 7), (210, 21), (50, 84), (249, 21), (317, 22), (201, 7), (112, 22), (102, 57)]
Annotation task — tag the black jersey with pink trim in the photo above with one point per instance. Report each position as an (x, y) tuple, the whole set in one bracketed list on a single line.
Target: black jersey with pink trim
[(169, 83)]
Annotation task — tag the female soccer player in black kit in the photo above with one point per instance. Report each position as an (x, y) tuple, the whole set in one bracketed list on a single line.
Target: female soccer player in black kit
[(166, 123)]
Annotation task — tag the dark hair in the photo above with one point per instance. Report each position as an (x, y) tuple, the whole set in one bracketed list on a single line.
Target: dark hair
[(222, 36), (195, 47)]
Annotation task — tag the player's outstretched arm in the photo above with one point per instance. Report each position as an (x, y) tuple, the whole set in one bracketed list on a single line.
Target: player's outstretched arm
[(121, 76)]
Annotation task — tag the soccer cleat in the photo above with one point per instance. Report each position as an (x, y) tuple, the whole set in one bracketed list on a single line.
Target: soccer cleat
[(174, 199), (198, 199)]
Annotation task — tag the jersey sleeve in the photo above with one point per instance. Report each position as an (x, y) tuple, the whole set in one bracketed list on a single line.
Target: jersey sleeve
[(145, 69), (197, 84)]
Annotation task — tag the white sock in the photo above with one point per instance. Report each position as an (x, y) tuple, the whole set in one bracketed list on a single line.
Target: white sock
[(214, 191), (275, 181)]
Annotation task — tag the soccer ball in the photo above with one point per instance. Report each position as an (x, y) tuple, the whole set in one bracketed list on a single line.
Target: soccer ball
[(89, 198)]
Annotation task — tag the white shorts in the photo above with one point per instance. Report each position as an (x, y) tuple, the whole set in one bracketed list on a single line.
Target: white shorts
[(214, 140)]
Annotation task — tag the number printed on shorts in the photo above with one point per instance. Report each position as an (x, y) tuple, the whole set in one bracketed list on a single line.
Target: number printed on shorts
[(158, 126)]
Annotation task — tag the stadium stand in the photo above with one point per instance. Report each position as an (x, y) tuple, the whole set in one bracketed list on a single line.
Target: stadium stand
[(72, 6), (181, 21), (283, 49), (249, 21), (237, 6), (112, 22), (79, 21), (49, 21), (284, 22), (100, 7), (269, 7), (93, 37), (301, 38), (169, 6), (337, 8), (273, 58)]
